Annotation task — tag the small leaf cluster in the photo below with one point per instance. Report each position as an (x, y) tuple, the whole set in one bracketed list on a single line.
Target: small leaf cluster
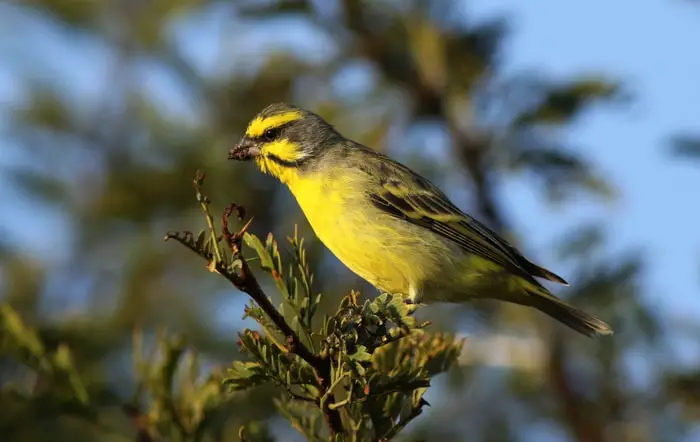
[(384, 360), (172, 400), (358, 374), (380, 359), (299, 302), (363, 370), (56, 379)]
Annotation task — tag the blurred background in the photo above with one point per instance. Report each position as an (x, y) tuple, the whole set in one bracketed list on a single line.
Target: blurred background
[(573, 128)]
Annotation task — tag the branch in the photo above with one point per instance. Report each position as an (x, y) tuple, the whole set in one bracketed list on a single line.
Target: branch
[(415, 412), (245, 281)]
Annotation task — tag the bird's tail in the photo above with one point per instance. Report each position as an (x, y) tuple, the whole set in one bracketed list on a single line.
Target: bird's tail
[(567, 314)]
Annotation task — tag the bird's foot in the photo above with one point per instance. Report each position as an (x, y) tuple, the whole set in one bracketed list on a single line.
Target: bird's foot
[(410, 302)]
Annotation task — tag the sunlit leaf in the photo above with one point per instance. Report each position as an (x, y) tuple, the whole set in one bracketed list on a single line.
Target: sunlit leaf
[(563, 103)]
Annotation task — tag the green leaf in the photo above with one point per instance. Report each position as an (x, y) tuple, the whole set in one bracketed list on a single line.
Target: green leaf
[(270, 364), (255, 432), (305, 418), (244, 375), (254, 243), (560, 104), (252, 310), (64, 362), (21, 340), (361, 354)]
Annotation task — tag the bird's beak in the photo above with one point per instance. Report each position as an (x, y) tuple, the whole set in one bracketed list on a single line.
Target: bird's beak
[(244, 150)]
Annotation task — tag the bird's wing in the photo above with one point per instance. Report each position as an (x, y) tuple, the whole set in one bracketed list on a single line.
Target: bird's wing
[(406, 195)]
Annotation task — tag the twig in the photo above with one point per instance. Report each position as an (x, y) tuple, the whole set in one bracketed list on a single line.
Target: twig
[(234, 241), (329, 392), (246, 282), (415, 412), (140, 422), (204, 203)]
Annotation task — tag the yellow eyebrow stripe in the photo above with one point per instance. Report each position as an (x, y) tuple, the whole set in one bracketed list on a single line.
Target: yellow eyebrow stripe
[(260, 124)]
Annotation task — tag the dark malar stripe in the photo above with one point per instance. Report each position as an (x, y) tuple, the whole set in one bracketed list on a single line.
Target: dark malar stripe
[(281, 162)]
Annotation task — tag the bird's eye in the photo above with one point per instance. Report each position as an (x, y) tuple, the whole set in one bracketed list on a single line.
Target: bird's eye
[(271, 134)]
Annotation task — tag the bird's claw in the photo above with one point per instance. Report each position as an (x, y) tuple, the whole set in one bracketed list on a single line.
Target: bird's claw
[(410, 303)]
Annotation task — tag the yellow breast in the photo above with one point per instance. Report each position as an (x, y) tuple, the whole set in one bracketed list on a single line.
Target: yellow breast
[(321, 202), (382, 250), (325, 202)]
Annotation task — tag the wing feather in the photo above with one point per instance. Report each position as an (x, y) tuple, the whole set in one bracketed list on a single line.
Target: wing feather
[(406, 195)]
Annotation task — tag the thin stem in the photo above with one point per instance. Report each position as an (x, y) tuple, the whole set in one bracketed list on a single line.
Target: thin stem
[(301, 326), (273, 339), (329, 392), (204, 204), (415, 412), (246, 282)]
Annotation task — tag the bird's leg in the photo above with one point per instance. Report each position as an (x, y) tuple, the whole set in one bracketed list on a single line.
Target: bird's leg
[(410, 303), (414, 295)]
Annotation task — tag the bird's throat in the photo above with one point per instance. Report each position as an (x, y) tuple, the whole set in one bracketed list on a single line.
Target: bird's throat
[(287, 175)]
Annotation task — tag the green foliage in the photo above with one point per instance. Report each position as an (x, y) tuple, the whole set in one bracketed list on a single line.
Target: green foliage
[(374, 364), (299, 303), (686, 386), (56, 377), (255, 432), (171, 399), (272, 363), (561, 103)]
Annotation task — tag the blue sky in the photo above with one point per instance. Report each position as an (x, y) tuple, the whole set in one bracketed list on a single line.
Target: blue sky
[(651, 46)]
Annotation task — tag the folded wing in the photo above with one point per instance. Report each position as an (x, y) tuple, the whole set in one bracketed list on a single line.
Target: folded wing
[(406, 195)]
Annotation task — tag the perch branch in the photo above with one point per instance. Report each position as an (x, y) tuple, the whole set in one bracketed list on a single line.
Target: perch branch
[(245, 281)]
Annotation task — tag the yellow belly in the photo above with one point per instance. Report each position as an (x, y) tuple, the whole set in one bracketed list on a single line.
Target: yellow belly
[(389, 253)]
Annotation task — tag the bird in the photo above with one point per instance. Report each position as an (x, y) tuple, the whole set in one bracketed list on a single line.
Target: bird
[(391, 226)]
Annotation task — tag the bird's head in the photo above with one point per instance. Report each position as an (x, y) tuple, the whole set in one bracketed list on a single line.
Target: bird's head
[(283, 140)]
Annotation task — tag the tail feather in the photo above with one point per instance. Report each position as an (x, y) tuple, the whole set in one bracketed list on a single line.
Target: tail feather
[(540, 272), (568, 315)]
